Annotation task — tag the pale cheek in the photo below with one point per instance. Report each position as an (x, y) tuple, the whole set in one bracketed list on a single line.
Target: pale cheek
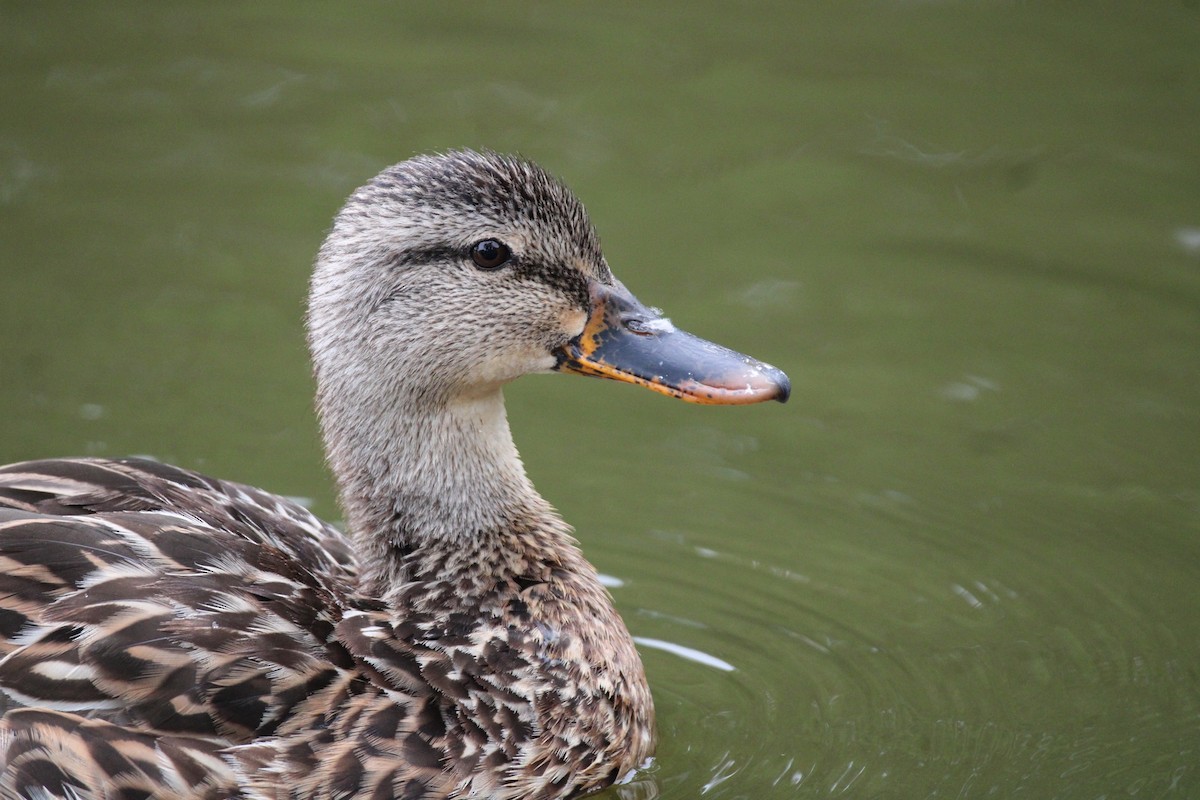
[(545, 363), (573, 322), (502, 369)]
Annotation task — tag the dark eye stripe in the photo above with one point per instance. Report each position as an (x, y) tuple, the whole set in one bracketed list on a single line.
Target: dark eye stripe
[(424, 255), (567, 280)]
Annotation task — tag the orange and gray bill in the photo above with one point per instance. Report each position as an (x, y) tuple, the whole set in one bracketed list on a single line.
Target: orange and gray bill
[(625, 341)]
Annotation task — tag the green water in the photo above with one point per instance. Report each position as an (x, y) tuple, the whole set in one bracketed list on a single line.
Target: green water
[(962, 562)]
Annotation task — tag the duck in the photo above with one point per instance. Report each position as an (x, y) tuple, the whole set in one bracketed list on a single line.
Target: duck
[(168, 634)]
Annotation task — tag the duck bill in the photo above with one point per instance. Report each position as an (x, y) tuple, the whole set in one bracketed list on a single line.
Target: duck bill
[(624, 340)]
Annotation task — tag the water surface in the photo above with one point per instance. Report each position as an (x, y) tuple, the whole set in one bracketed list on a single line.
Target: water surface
[(962, 562)]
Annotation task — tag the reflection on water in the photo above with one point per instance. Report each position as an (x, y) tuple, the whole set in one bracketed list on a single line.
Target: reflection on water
[(962, 562), (689, 653)]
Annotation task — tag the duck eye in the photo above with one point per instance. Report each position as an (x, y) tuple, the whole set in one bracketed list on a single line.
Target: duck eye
[(490, 254)]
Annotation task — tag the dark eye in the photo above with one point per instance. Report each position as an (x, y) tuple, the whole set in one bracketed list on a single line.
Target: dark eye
[(490, 254)]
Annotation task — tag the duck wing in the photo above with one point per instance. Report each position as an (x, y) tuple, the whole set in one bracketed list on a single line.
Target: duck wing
[(54, 755), (161, 600), (80, 486)]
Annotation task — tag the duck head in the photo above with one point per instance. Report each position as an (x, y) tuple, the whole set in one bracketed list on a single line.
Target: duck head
[(448, 275)]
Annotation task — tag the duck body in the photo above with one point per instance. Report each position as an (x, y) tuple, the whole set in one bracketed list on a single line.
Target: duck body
[(233, 628), (166, 634)]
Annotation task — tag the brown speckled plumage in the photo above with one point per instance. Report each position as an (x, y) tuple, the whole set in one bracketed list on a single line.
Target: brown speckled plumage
[(165, 634)]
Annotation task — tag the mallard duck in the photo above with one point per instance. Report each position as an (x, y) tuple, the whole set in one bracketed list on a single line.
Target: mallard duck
[(166, 634)]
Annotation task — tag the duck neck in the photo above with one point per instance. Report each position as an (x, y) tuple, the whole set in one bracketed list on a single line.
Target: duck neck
[(431, 485)]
